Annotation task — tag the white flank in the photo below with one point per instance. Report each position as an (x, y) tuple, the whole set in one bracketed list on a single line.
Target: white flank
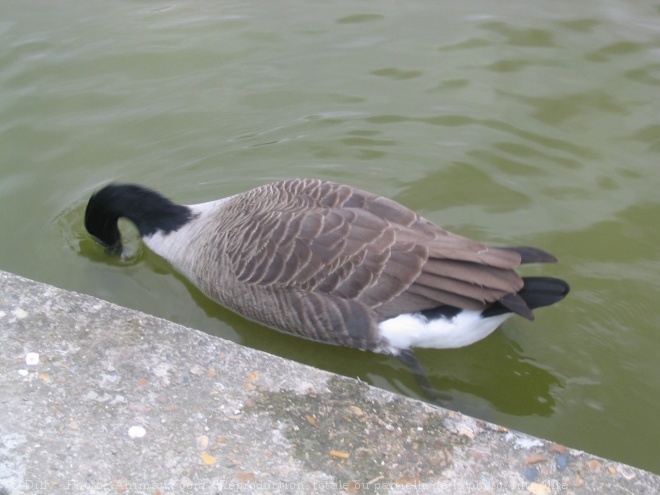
[(415, 330)]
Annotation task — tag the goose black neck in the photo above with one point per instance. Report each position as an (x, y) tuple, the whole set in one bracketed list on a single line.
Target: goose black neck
[(148, 210)]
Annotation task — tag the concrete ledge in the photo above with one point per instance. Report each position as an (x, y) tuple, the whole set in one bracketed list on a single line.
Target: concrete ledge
[(117, 401)]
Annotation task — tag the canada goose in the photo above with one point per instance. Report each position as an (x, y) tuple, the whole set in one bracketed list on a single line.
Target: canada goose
[(333, 264)]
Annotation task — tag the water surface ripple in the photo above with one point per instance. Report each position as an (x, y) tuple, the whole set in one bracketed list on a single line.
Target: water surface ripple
[(514, 123)]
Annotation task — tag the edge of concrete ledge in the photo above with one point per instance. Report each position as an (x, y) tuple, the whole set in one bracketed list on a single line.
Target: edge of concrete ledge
[(100, 399)]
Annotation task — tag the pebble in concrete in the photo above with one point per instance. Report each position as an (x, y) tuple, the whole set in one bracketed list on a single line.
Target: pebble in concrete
[(116, 401)]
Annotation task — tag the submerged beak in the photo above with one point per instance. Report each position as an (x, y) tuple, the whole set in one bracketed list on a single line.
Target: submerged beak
[(113, 250)]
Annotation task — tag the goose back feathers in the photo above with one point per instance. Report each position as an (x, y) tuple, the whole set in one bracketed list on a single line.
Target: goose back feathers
[(326, 261)]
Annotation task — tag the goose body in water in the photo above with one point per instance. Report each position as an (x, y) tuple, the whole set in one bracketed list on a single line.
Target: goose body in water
[(333, 264)]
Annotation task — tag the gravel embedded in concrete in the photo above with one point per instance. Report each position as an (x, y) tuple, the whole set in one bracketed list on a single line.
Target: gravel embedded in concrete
[(99, 399)]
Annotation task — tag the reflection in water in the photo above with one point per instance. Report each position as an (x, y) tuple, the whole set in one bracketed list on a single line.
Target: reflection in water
[(481, 370)]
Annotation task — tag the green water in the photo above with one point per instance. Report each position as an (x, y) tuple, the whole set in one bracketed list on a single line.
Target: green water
[(511, 122)]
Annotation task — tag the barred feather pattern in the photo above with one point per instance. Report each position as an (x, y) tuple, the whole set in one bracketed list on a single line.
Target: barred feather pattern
[(330, 262)]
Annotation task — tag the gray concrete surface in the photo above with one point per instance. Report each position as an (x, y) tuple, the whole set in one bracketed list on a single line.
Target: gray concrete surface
[(99, 399)]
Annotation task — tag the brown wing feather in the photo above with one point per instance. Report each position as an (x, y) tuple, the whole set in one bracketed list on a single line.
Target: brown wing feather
[(326, 238)]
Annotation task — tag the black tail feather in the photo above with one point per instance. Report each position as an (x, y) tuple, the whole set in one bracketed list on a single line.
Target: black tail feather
[(536, 293), (531, 255), (513, 303), (543, 291)]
